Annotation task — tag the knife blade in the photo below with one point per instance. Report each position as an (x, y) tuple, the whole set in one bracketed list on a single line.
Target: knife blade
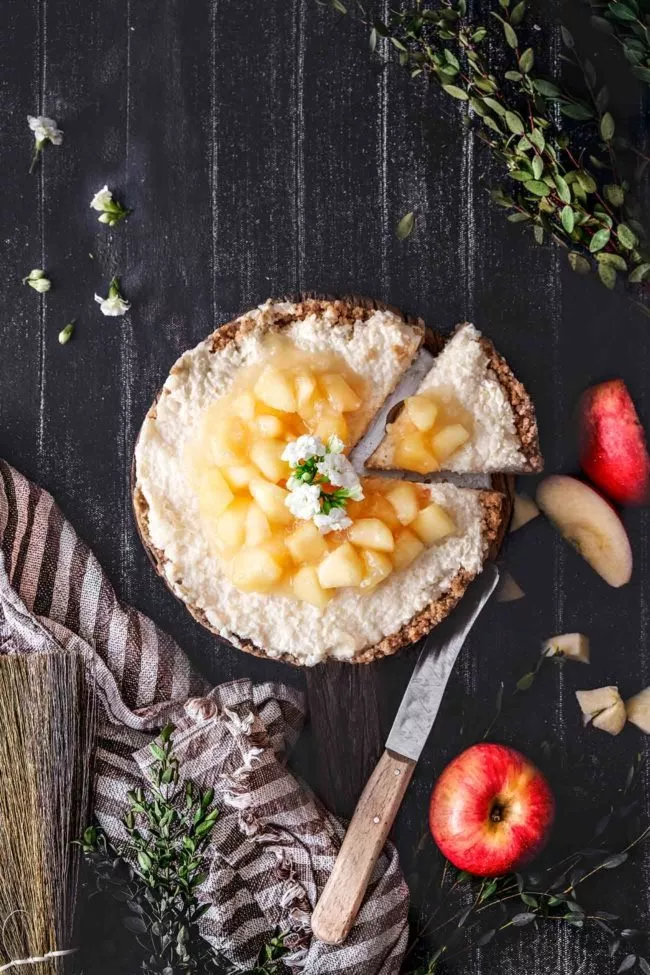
[(339, 904), (417, 712)]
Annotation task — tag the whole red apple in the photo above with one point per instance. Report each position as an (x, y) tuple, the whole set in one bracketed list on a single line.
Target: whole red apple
[(613, 451), (491, 810)]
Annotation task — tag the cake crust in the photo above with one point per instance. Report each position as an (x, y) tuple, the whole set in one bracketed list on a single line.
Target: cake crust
[(496, 505)]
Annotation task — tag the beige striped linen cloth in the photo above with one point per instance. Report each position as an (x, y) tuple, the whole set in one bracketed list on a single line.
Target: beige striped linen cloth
[(274, 844)]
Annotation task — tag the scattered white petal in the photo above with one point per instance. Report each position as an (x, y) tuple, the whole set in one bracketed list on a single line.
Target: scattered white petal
[(112, 306), (102, 199), (45, 130)]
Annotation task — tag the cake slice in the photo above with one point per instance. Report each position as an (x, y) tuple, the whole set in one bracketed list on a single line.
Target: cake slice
[(469, 415)]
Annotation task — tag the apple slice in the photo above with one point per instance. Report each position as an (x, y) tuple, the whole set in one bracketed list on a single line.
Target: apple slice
[(638, 710), (508, 591), (573, 646), (604, 708), (524, 511), (590, 524), (613, 450)]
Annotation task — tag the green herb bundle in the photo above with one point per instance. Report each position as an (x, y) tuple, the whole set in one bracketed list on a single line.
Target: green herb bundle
[(159, 869), (565, 185)]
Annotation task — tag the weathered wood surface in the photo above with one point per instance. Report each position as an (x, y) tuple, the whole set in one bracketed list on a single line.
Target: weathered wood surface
[(264, 151)]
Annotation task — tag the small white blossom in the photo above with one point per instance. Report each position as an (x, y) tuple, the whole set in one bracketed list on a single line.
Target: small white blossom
[(114, 304), (335, 521), (335, 445), (36, 279), (102, 199), (304, 448), (303, 501), (338, 470), (45, 130)]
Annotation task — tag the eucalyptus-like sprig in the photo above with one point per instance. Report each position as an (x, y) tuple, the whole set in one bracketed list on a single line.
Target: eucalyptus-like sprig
[(158, 870), (572, 194), (629, 22)]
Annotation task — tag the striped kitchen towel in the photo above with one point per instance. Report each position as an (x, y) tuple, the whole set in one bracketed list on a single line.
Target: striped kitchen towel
[(274, 844)]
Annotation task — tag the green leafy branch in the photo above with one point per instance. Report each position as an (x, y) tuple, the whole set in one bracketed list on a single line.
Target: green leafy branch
[(556, 186), (158, 871), (629, 22)]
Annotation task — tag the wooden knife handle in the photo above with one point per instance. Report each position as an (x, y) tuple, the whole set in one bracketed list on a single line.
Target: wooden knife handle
[(343, 894)]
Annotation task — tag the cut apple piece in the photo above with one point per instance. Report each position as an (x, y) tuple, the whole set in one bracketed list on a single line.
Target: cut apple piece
[(276, 390), (269, 425), (306, 393), (307, 544), (244, 406), (340, 394), (604, 708), (257, 525), (271, 499), (432, 524), (342, 567), (508, 591), (239, 475), (377, 567), (573, 646), (421, 411), (307, 587), (612, 719), (524, 511), (448, 440), (590, 524), (254, 570), (407, 548), (372, 533), (404, 499), (638, 710), (413, 453), (214, 493), (231, 524), (229, 440), (331, 424), (613, 449), (267, 455)]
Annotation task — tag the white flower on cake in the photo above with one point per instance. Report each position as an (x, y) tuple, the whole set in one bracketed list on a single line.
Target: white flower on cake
[(114, 304), (335, 521), (303, 500), (304, 448), (322, 482)]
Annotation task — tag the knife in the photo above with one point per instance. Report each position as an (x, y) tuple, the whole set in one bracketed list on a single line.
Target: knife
[(339, 904)]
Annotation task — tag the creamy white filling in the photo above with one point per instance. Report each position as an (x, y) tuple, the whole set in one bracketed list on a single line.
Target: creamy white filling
[(462, 371)]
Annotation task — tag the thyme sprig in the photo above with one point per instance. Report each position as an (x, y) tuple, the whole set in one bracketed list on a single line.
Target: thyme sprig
[(158, 871), (564, 187)]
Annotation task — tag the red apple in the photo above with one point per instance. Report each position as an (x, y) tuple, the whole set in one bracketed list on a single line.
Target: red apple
[(491, 810), (613, 451)]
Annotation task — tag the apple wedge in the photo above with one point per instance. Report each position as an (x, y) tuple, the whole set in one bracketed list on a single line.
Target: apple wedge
[(573, 646), (586, 520), (524, 511), (638, 710), (604, 708)]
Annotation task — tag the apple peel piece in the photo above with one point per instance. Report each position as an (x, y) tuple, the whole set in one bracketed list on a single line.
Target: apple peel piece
[(573, 646), (589, 523), (638, 710), (524, 511), (604, 707), (508, 591), (613, 449)]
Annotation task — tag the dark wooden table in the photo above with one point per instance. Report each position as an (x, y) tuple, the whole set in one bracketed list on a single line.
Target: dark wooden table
[(264, 151)]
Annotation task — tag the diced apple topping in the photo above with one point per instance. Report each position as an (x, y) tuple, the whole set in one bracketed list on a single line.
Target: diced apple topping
[(238, 473), (604, 708), (573, 646), (524, 511), (428, 432), (638, 710), (342, 567)]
